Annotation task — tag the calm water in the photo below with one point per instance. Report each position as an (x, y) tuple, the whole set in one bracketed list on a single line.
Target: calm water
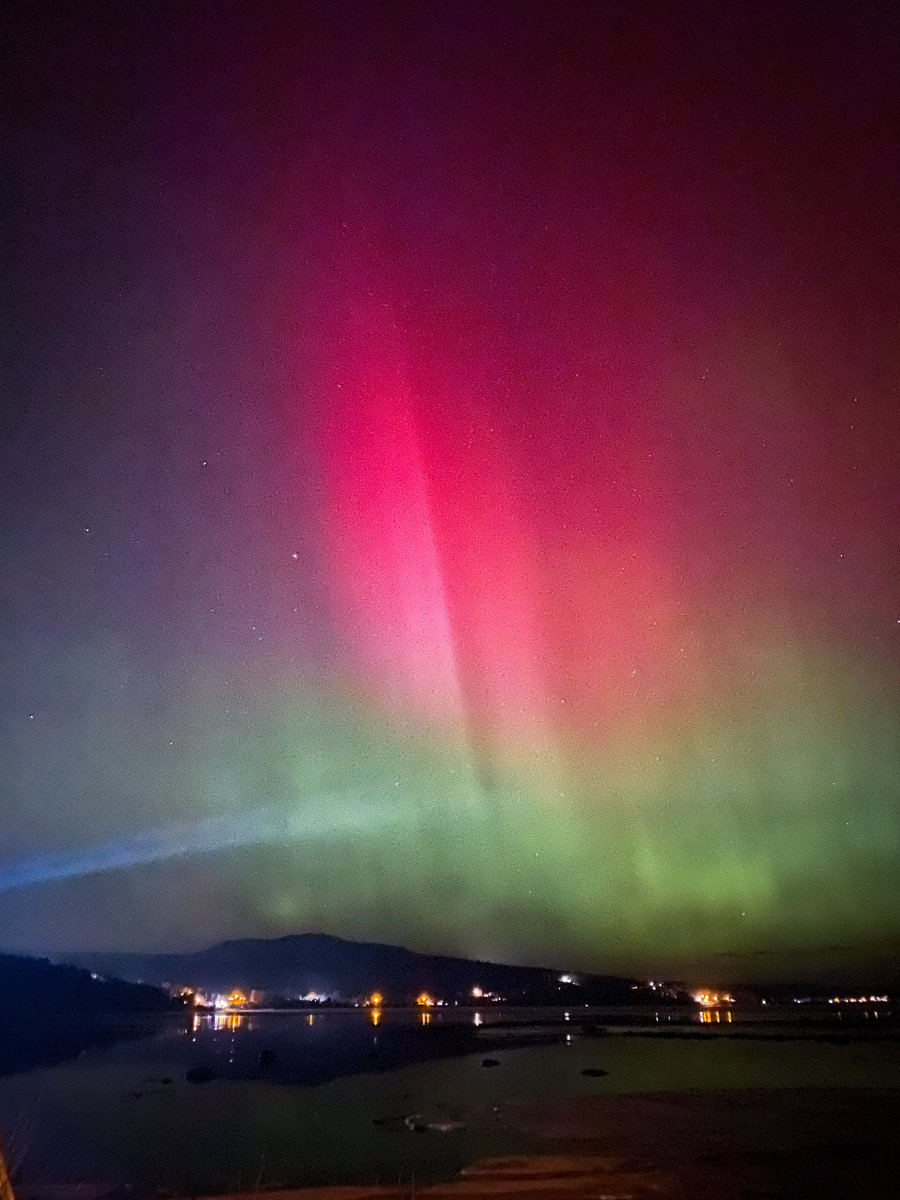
[(327, 1101)]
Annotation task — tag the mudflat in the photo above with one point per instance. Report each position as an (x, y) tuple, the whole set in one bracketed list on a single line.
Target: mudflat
[(732, 1145)]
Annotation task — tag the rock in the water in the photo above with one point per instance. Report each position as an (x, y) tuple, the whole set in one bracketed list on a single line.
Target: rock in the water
[(592, 1029), (200, 1075), (594, 1072), (490, 1062)]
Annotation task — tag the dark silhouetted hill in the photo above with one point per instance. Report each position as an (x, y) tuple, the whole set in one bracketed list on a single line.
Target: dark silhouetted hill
[(296, 965)]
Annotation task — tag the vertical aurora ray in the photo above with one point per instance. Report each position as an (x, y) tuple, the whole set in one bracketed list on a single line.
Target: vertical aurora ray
[(387, 572), (432, 566)]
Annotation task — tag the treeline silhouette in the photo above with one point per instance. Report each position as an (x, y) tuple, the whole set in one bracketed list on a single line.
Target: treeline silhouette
[(35, 988)]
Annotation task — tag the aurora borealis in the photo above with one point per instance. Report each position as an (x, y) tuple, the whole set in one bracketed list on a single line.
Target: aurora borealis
[(449, 483)]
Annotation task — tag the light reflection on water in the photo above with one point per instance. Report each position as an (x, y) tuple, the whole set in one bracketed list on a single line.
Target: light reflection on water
[(125, 1114)]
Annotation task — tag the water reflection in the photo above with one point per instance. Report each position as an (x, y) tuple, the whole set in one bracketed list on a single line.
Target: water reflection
[(715, 1016), (375, 1015), (26, 1044), (219, 1021)]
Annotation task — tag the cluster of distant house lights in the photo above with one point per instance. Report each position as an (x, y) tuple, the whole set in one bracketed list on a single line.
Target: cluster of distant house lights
[(237, 999), (859, 1000)]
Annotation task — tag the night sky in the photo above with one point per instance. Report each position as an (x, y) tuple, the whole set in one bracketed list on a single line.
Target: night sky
[(449, 480)]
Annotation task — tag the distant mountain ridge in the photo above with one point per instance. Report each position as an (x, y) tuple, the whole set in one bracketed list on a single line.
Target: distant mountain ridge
[(310, 962)]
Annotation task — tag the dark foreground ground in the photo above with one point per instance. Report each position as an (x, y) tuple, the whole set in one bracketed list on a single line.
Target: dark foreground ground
[(809, 1144)]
